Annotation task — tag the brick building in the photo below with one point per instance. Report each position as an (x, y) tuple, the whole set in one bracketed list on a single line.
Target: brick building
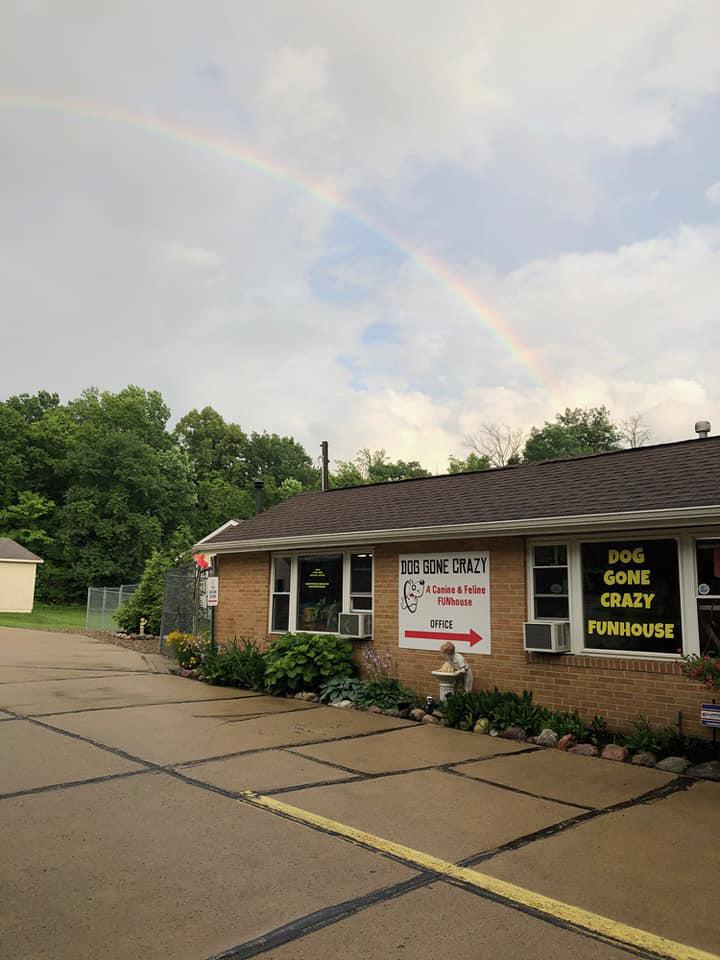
[(613, 559)]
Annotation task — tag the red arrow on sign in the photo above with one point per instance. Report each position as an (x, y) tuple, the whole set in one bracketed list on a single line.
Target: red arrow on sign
[(470, 637)]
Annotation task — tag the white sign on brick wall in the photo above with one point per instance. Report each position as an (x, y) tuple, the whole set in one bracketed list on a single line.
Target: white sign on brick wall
[(445, 596), (213, 591)]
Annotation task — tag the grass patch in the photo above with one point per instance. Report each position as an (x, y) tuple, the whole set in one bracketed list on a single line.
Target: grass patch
[(47, 616)]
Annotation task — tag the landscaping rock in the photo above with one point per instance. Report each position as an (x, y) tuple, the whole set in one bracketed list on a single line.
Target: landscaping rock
[(706, 771), (644, 759), (532, 740), (547, 738), (307, 697), (584, 750), (342, 704), (674, 764), (429, 718), (564, 743), (417, 714), (393, 712), (189, 674), (482, 725), (513, 733), (375, 709), (613, 751)]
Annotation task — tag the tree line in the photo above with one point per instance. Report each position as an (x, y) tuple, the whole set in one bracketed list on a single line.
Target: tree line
[(99, 484)]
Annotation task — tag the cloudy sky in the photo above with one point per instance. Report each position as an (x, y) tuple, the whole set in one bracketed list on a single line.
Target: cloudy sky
[(377, 223)]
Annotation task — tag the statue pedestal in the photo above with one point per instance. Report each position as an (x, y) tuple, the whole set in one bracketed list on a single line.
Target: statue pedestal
[(447, 681)]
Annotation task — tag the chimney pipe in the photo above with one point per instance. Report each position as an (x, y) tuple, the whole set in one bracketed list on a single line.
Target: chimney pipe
[(325, 483), (702, 429), (259, 488)]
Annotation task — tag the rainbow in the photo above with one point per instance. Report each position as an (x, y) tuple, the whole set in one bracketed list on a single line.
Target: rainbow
[(438, 271)]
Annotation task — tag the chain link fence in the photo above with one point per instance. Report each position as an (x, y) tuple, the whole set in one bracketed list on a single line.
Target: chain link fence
[(102, 604), (185, 605)]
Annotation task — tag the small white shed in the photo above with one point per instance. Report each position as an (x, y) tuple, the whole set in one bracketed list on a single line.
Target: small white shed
[(17, 577)]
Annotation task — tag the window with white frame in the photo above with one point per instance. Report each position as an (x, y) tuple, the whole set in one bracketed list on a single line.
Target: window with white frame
[(635, 595), (707, 591), (550, 582), (310, 591), (631, 595), (361, 581), (280, 602)]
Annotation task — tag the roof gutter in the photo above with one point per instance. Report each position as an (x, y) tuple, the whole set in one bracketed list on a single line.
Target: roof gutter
[(19, 560), (498, 528)]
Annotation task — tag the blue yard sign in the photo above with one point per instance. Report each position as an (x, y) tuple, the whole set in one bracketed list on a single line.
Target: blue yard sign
[(710, 714)]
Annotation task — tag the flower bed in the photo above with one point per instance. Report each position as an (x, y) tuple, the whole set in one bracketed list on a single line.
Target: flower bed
[(319, 667)]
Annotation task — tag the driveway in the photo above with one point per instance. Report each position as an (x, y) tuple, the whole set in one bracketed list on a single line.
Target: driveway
[(147, 816)]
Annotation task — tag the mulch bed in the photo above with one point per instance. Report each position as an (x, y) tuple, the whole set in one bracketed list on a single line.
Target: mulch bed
[(130, 641)]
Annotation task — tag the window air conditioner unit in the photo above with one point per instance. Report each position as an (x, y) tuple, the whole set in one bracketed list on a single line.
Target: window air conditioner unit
[(355, 625), (542, 637)]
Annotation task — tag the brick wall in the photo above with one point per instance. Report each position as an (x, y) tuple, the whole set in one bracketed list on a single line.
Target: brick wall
[(242, 610), (619, 689)]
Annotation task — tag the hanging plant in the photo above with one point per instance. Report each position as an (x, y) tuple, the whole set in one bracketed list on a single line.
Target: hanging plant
[(704, 670)]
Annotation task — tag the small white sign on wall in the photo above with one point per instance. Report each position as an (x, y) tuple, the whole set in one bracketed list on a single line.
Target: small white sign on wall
[(213, 591), (445, 596)]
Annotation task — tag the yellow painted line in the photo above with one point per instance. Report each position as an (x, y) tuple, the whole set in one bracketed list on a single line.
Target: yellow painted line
[(556, 909)]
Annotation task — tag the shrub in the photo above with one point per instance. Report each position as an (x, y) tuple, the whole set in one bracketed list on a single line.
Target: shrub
[(564, 722), (147, 600), (502, 709), (597, 732), (664, 741), (340, 688), (235, 665), (388, 694), (305, 661), (190, 649)]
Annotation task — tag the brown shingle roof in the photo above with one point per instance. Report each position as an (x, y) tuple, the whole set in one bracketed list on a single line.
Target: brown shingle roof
[(668, 476), (9, 550)]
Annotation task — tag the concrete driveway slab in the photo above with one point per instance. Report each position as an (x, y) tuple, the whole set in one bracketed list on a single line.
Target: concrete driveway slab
[(31, 757), (433, 811), (86, 873), (587, 781), (424, 746), (270, 770), (64, 696), (442, 921), (35, 674), (650, 865), (67, 650), (201, 731)]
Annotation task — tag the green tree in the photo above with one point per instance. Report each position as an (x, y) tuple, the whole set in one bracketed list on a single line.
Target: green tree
[(26, 521), (213, 445), (147, 600), (374, 467), (471, 462), (216, 453), (130, 487), (274, 459), (573, 433), (226, 461)]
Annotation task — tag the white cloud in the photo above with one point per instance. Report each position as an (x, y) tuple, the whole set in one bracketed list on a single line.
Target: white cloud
[(713, 192), (128, 256)]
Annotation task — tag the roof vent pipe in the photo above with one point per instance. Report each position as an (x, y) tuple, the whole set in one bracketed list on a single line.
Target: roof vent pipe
[(325, 480), (702, 429), (259, 489)]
